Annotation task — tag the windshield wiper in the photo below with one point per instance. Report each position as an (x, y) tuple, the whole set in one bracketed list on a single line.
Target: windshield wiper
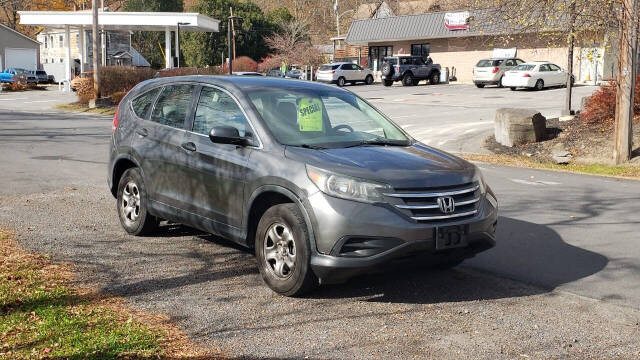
[(381, 142), (308, 146)]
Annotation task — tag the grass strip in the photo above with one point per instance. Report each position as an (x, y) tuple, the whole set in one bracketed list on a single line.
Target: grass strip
[(84, 108), (619, 171)]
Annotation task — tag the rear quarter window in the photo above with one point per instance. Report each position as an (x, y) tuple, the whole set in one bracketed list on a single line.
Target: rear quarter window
[(143, 103), (488, 63)]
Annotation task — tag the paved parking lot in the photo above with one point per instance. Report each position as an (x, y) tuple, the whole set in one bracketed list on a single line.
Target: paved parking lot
[(457, 118), (561, 283)]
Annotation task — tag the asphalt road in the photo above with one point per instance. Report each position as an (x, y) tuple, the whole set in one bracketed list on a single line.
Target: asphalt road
[(564, 279)]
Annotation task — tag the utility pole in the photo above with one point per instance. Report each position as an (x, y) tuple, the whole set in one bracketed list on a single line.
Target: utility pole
[(571, 39), (335, 10), (96, 50), (233, 34), (628, 39), (231, 40)]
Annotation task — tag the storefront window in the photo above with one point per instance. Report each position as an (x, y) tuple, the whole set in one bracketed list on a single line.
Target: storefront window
[(420, 50), (377, 55)]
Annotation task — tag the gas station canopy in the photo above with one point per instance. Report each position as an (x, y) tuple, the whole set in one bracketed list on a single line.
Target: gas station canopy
[(122, 21)]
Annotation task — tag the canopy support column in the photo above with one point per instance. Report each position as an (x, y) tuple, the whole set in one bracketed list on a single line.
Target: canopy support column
[(177, 64), (67, 57), (167, 49), (83, 48)]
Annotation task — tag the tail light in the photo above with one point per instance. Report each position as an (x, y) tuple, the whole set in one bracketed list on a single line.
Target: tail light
[(496, 69), (527, 75), (333, 71), (115, 119), (397, 68)]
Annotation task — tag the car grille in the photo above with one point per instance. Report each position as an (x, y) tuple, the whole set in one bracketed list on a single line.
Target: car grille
[(423, 205)]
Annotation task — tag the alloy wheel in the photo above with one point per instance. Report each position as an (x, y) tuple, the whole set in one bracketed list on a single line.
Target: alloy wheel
[(130, 205), (279, 250)]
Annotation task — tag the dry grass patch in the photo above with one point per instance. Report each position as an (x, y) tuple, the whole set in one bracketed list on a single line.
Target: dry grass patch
[(42, 316)]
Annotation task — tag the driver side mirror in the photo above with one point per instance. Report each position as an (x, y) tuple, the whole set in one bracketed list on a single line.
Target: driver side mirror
[(228, 135)]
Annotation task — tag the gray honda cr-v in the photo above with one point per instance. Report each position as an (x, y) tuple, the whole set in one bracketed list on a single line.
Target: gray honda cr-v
[(315, 179)]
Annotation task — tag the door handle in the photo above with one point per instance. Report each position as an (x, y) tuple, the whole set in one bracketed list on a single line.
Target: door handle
[(142, 132), (189, 146)]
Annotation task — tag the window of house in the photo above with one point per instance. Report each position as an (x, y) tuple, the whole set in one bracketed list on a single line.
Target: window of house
[(420, 50), (61, 40), (61, 59), (377, 54), (52, 42), (45, 42)]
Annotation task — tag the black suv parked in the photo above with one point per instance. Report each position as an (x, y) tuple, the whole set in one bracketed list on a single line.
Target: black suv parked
[(312, 177), (410, 70)]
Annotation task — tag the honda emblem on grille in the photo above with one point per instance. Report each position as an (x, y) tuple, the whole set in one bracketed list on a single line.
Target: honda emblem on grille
[(447, 204)]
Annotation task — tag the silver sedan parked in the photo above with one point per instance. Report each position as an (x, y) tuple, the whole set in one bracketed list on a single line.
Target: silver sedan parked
[(344, 72)]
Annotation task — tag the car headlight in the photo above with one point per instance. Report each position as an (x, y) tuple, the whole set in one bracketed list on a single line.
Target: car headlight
[(346, 187), (477, 177)]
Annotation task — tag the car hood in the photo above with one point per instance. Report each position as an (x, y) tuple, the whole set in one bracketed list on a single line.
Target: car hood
[(415, 166)]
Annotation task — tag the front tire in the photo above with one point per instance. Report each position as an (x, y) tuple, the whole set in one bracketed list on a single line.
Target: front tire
[(479, 86), (512, 88), (341, 81), (283, 251), (434, 78), (539, 85), (132, 204)]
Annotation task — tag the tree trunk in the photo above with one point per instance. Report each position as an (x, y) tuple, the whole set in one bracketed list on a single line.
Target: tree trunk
[(623, 139), (570, 45)]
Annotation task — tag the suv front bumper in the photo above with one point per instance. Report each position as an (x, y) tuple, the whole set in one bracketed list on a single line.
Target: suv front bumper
[(377, 235)]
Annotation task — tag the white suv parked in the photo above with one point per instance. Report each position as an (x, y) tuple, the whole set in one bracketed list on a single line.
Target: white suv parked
[(344, 72), (491, 71)]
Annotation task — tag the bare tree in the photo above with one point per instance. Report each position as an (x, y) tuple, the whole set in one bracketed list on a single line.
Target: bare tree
[(293, 45)]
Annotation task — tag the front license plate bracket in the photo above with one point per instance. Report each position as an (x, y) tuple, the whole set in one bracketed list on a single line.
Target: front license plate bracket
[(449, 237)]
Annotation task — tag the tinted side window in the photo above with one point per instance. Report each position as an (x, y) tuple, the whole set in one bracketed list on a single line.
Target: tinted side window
[(173, 106), (143, 103), (217, 108), (544, 67)]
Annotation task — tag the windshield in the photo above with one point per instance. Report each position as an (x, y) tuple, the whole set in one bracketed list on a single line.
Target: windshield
[(523, 68), (488, 63), (324, 119)]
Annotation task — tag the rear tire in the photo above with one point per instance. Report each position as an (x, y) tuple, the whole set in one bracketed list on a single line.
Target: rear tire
[(479, 86), (500, 83), (132, 204), (283, 251), (387, 83), (341, 81), (368, 80), (512, 88), (539, 85)]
